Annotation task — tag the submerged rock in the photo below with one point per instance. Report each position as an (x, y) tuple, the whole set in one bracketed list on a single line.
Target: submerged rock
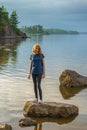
[(71, 78), (5, 127), (50, 109), (27, 122)]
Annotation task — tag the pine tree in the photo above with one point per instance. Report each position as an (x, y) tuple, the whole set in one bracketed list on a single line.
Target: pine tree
[(14, 20), (4, 15)]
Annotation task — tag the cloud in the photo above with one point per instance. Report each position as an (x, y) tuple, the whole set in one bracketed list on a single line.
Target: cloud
[(43, 6), (62, 13)]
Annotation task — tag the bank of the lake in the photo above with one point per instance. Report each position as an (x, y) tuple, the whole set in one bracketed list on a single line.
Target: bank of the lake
[(40, 30), (8, 25)]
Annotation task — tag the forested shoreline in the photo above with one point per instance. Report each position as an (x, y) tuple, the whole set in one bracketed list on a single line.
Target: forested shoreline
[(40, 30), (9, 24), (9, 27)]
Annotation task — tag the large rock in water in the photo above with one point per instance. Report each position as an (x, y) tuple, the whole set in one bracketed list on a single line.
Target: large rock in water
[(50, 109), (71, 78), (5, 127)]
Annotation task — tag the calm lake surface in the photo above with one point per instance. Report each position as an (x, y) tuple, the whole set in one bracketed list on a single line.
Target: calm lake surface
[(61, 52)]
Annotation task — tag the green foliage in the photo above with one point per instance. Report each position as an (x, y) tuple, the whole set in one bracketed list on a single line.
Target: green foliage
[(36, 29), (4, 16), (5, 20), (14, 20), (60, 31)]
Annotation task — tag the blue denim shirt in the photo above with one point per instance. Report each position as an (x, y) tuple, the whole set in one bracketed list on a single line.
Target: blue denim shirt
[(37, 66)]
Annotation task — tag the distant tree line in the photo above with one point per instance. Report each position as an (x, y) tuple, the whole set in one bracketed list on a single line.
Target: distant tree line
[(5, 19), (59, 31), (38, 29)]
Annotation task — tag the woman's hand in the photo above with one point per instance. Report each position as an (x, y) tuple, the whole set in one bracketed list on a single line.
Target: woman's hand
[(43, 75), (29, 76)]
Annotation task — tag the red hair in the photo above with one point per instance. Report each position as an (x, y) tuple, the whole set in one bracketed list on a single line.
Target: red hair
[(37, 45)]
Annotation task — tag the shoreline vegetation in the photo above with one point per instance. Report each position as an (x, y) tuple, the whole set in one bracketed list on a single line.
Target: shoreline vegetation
[(39, 30), (8, 25)]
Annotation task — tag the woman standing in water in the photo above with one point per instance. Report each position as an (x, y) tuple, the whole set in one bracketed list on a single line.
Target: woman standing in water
[(37, 70)]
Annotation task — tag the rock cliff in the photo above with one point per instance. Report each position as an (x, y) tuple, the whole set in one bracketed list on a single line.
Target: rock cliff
[(8, 32)]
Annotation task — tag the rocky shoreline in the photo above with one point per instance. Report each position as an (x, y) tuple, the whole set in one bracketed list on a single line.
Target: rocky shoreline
[(9, 33)]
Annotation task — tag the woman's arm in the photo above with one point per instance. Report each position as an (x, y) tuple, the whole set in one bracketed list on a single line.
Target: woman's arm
[(30, 69), (44, 68)]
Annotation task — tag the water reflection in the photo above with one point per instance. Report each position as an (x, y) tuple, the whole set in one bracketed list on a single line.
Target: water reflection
[(40, 120), (8, 49), (10, 42), (60, 121), (38, 127), (37, 39), (4, 56), (70, 92)]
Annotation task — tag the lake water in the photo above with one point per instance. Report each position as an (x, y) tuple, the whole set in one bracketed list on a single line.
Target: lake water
[(61, 52)]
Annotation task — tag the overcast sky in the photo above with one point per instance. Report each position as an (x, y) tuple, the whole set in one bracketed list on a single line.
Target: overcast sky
[(64, 14)]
